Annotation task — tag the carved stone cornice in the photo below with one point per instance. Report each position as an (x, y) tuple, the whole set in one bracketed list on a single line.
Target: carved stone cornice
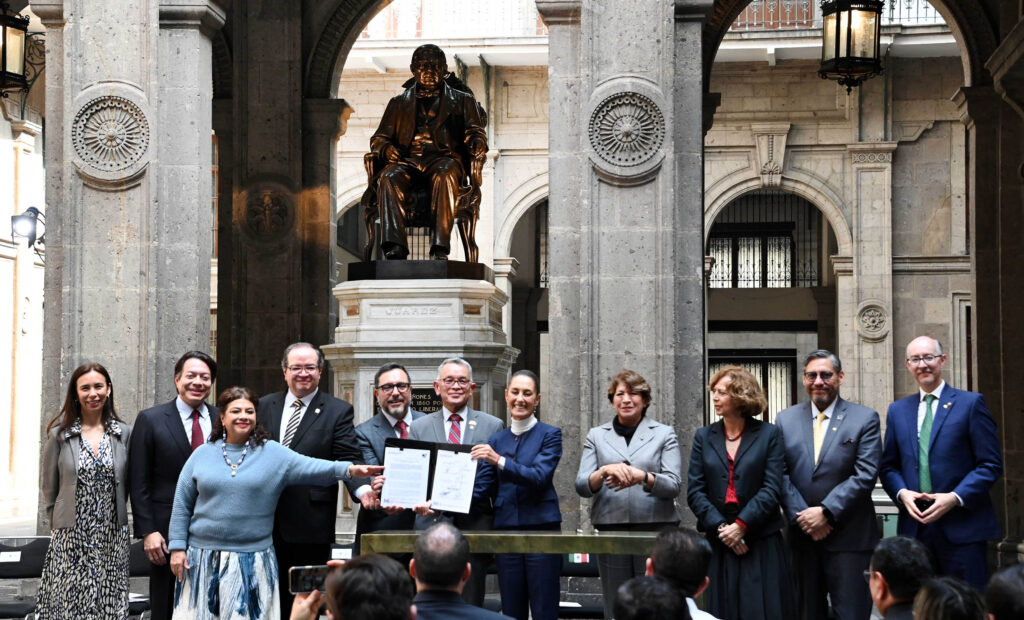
[(203, 15), (711, 103), (694, 10), (560, 12), (49, 12), (1007, 68), (977, 104)]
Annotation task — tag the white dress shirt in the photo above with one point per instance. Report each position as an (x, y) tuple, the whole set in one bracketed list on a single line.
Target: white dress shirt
[(186, 419), (289, 402)]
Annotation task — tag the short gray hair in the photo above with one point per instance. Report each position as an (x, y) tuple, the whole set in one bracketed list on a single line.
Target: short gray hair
[(824, 354), (302, 345), (455, 360)]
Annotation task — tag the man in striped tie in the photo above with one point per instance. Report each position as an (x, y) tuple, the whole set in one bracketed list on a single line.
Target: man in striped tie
[(393, 390), (311, 422), (942, 456), (459, 423)]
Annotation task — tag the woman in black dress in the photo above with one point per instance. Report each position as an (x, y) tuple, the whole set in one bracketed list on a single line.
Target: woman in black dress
[(735, 484)]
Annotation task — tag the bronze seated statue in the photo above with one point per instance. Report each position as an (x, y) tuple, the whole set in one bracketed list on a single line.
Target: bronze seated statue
[(425, 163)]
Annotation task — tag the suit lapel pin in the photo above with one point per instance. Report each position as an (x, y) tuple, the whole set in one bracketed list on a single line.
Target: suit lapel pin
[(317, 411), (472, 424), (947, 405)]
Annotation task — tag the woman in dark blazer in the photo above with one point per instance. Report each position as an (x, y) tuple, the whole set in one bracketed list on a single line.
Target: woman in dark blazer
[(526, 455), (735, 484), (84, 486), (630, 469)]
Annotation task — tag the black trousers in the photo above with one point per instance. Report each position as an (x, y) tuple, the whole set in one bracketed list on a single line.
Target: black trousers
[(292, 554), (161, 591)]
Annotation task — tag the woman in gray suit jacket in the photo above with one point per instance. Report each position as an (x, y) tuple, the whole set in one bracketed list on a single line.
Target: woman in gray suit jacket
[(630, 469), (84, 485)]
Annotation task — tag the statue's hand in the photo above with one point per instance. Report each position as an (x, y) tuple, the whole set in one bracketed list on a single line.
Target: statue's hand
[(477, 148), (391, 154)]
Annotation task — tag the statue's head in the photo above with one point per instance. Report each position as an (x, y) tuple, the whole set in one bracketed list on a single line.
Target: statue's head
[(429, 65)]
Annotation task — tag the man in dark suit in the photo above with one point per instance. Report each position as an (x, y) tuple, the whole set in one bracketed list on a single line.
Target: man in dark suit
[(394, 393), (833, 448), (899, 567), (162, 440), (316, 424), (941, 458), (459, 423), (441, 568)]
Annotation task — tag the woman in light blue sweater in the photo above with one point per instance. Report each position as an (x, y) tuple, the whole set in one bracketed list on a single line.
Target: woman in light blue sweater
[(220, 533)]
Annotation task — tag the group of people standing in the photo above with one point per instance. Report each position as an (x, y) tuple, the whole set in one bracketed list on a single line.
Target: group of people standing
[(205, 485)]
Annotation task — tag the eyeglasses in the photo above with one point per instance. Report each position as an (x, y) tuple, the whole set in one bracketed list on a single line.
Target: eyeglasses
[(867, 575), (927, 359), (825, 375), (387, 387), (450, 381), (305, 369)]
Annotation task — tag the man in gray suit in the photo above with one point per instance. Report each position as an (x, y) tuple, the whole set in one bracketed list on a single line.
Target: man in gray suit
[(394, 393), (458, 423), (833, 449)]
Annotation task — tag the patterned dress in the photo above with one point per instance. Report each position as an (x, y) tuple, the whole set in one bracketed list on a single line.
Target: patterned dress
[(86, 572)]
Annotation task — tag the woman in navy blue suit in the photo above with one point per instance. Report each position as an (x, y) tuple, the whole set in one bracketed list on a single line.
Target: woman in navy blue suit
[(734, 489), (526, 455)]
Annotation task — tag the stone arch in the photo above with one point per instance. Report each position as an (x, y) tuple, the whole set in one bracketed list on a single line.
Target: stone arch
[(812, 189), (967, 20), (342, 21), (520, 200)]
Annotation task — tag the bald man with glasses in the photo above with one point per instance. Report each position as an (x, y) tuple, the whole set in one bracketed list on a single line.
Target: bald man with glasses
[(941, 457)]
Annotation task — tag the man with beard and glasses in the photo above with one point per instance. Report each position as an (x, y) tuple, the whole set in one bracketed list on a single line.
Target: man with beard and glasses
[(833, 449), (394, 393)]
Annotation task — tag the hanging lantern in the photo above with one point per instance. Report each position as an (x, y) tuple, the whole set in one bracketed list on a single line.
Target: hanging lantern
[(850, 41), (13, 29)]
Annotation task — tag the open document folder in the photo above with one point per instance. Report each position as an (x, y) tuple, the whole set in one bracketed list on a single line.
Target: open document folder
[(417, 471)]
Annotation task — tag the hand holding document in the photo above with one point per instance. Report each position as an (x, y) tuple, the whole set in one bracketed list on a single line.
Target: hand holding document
[(406, 476), (418, 471)]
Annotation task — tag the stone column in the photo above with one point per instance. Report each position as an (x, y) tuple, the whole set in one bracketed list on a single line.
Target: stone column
[(277, 256), (868, 306), (19, 451), (504, 270), (625, 219), (128, 183), (995, 134)]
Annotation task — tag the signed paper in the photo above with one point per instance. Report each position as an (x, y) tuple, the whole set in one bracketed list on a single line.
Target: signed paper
[(406, 473), (454, 475)]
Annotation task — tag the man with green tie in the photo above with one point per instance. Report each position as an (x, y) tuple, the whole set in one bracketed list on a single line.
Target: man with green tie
[(941, 458)]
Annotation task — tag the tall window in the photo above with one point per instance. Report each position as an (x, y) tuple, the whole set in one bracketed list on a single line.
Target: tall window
[(775, 369), (767, 239)]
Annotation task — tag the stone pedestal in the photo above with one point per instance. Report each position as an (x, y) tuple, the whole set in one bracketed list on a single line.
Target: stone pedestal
[(418, 323)]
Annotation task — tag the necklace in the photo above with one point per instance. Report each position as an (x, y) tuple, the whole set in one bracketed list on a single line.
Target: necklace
[(727, 437), (234, 466)]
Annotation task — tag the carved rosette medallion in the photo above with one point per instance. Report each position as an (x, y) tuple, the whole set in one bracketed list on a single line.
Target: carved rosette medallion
[(627, 132), (627, 129), (110, 134), (269, 214), (872, 322), (872, 158)]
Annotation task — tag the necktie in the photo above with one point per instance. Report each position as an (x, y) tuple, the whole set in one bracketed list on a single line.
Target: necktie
[(923, 439), (293, 423), (197, 431), (819, 435), (402, 428), (455, 433)]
